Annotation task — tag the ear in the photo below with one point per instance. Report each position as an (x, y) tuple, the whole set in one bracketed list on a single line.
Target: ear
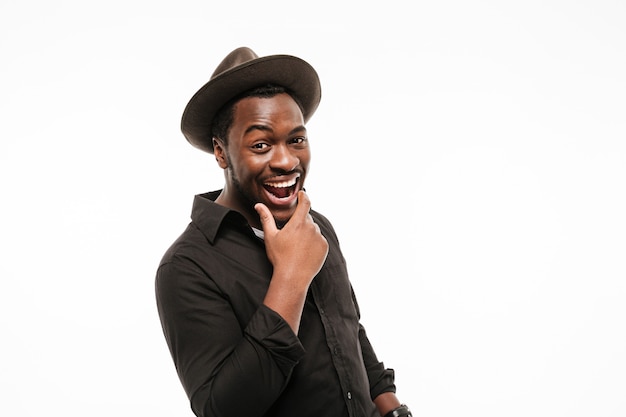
[(219, 150)]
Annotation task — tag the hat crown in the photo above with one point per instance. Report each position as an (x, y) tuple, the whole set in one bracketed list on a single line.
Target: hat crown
[(235, 58)]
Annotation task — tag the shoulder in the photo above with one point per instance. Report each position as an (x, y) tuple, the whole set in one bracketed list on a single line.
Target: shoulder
[(325, 225), (321, 220), (184, 246), (232, 257)]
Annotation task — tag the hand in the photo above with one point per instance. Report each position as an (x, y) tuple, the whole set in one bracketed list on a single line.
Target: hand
[(298, 250)]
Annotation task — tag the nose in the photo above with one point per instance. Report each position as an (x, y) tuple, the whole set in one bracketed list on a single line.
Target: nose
[(283, 159)]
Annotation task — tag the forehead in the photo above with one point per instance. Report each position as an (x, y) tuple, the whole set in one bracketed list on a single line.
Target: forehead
[(278, 109)]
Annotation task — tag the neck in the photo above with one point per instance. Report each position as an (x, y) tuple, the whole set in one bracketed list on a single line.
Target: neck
[(247, 210)]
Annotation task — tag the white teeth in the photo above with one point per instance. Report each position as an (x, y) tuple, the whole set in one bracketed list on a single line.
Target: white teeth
[(283, 184)]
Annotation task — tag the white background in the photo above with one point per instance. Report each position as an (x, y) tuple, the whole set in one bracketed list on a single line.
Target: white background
[(471, 155)]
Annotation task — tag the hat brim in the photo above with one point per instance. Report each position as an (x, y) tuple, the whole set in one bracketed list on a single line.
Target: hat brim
[(290, 72)]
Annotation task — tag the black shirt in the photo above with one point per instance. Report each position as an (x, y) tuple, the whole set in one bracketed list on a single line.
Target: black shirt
[(237, 357)]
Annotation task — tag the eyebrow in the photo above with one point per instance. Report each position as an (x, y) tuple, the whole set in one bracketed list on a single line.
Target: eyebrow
[(265, 128)]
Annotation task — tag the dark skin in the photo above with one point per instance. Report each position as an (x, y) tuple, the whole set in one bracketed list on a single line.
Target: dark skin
[(267, 146), (265, 162)]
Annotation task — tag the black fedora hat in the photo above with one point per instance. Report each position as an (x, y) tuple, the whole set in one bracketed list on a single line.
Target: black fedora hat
[(240, 71)]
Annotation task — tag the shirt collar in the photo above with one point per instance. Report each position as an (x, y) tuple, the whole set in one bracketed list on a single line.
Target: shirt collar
[(209, 216)]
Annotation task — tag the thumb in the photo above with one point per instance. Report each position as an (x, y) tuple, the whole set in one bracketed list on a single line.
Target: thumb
[(267, 220)]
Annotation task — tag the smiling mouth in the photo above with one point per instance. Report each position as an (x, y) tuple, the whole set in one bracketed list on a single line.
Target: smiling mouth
[(283, 189)]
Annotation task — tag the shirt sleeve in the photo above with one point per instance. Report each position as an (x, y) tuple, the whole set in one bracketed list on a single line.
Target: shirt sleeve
[(226, 368), (381, 379)]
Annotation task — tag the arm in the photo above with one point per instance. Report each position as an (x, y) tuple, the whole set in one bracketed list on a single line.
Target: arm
[(386, 402), (382, 387), (222, 366), (297, 253)]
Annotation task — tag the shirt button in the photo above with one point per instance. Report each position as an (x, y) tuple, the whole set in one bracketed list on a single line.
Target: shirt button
[(322, 311), (349, 395)]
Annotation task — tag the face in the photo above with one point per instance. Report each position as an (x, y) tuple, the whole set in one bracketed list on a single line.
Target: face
[(266, 157)]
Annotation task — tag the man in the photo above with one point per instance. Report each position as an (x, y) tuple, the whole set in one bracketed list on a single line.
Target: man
[(254, 296)]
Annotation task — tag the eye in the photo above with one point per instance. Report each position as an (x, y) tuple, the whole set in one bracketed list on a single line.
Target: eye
[(260, 146), (300, 140)]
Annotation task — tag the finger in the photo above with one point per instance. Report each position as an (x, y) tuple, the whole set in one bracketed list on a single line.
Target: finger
[(267, 220), (304, 206)]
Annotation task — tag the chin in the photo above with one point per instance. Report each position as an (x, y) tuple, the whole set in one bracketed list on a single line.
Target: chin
[(281, 220)]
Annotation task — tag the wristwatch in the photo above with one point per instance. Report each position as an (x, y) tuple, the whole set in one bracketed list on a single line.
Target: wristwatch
[(402, 411)]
